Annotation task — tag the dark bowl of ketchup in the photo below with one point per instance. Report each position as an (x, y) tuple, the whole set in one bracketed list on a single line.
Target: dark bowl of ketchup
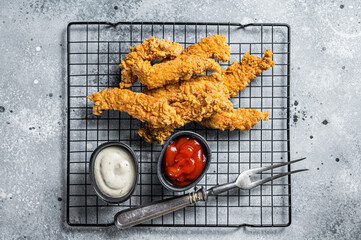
[(184, 160)]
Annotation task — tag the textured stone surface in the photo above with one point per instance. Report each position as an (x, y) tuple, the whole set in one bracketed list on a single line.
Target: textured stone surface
[(325, 94)]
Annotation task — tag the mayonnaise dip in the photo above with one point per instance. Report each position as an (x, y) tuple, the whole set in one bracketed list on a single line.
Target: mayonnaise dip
[(114, 171)]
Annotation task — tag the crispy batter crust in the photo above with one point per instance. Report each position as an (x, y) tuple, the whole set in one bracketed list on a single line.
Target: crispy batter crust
[(242, 119), (203, 99), (193, 60), (195, 108), (151, 49), (235, 79), (143, 107), (181, 68), (214, 46)]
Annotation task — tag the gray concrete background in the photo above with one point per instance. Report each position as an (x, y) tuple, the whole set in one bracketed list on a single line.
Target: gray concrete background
[(325, 81)]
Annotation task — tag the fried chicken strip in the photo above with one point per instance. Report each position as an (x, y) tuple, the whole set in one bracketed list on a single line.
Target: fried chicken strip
[(242, 119), (157, 112), (151, 49), (230, 82), (193, 60), (143, 107), (181, 68), (214, 46), (175, 105), (196, 108), (235, 79)]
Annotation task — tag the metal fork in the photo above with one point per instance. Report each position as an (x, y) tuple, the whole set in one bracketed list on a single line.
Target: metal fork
[(133, 216)]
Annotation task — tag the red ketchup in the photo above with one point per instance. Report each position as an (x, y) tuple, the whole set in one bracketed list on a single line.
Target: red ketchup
[(184, 161)]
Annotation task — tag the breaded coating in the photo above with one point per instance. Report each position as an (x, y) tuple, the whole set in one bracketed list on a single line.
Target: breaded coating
[(202, 98), (181, 68), (195, 108), (242, 119), (236, 78), (151, 49), (143, 107), (128, 79), (239, 75), (230, 82), (193, 60), (214, 46)]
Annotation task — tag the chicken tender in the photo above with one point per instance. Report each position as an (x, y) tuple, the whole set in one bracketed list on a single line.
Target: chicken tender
[(193, 60), (151, 49), (230, 82), (143, 107), (196, 108), (202, 98), (214, 46), (172, 71), (242, 119), (235, 79)]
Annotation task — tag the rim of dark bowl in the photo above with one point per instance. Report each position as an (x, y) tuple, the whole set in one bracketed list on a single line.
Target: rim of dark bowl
[(102, 195), (162, 178)]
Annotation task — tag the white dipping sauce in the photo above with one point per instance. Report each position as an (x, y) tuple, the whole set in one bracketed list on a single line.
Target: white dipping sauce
[(114, 171)]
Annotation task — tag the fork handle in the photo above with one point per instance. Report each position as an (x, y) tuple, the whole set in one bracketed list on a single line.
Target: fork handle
[(134, 216)]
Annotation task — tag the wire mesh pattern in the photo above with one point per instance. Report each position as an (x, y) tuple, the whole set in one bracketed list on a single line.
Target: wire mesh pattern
[(94, 53)]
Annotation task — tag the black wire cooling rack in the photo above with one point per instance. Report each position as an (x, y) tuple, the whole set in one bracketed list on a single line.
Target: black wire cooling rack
[(94, 50)]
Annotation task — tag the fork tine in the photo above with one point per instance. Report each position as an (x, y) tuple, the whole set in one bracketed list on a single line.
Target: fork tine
[(259, 182), (278, 165)]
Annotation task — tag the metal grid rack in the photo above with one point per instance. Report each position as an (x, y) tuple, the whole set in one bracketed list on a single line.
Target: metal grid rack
[(94, 50)]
